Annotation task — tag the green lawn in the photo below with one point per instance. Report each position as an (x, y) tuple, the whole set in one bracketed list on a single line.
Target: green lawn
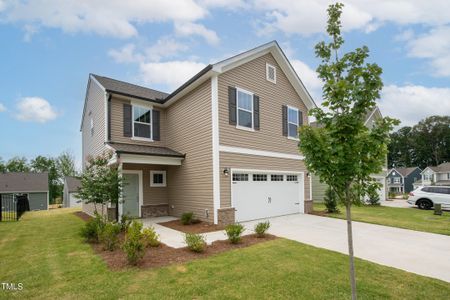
[(409, 218), (44, 252)]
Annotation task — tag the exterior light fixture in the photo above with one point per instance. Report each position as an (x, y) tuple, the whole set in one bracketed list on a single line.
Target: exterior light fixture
[(226, 171)]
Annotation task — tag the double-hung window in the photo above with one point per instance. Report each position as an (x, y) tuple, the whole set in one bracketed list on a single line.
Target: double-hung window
[(293, 122), (142, 122), (244, 109), (396, 179)]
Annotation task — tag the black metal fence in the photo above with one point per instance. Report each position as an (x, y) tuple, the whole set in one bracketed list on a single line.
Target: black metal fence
[(13, 206)]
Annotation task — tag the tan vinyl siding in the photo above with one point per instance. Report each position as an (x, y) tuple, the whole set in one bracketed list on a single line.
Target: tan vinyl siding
[(95, 108), (240, 161), (318, 189), (117, 125), (252, 77), (189, 131), (152, 195)]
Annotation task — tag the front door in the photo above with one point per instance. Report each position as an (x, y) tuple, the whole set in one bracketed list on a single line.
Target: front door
[(131, 195)]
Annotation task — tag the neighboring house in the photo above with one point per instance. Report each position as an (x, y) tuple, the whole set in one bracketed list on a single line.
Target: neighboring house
[(402, 180), (70, 192), (436, 175), (319, 188), (34, 185), (223, 145)]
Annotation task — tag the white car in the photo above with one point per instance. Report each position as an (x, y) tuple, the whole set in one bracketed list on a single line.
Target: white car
[(426, 196)]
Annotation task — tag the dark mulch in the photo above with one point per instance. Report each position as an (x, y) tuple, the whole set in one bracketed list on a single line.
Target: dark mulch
[(83, 216), (321, 213), (201, 227), (164, 255)]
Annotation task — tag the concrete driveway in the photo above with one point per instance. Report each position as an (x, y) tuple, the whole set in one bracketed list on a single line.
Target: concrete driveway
[(423, 253), (397, 203)]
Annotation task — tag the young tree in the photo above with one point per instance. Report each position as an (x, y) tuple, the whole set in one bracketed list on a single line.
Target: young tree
[(2, 165), (66, 164), (47, 164), (344, 152), (100, 183)]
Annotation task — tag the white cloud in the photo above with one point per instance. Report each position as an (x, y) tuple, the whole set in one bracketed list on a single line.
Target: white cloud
[(2, 107), (170, 73), (309, 78), (411, 103), (35, 109), (307, 17), (434, 46), (189, 28), (165, 47), (126, 54), (115, 18)]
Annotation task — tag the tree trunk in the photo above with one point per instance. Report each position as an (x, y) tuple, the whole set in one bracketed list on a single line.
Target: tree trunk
[(350, 248)]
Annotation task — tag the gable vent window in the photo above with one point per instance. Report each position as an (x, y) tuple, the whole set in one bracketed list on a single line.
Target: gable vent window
[(271, 73), (259, 177), (142, 122)]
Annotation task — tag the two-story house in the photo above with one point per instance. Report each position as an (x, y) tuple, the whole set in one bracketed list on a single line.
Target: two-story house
[(224, 145), (402, 180), (436, 175), (319, 188)]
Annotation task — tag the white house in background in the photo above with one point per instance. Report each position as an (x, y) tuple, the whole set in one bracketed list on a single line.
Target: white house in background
[(436, 175), (70, 195)]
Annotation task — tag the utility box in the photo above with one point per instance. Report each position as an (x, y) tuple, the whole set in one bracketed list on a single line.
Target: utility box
[(438, 209)]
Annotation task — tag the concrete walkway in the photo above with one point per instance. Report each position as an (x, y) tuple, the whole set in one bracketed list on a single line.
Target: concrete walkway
[(397, 203), (418, 252)]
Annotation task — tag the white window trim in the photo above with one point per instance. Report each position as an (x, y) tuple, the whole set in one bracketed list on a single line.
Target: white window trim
[(274, 73), (288, 122), (152, 184), (243, 109), (396, 180), (139, 138)]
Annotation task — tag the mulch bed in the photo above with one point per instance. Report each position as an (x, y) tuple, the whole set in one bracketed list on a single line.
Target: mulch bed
[(83, 216), (321, 213), (201, 227), (164, 255)]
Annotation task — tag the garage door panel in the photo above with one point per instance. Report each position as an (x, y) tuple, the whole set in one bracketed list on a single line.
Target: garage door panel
[(256, 196)]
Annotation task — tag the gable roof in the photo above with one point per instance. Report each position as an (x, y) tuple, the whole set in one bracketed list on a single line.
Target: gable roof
[(444, 167), (135, 91), (72, 183), (128, 89), (404, 171), (23, 182)]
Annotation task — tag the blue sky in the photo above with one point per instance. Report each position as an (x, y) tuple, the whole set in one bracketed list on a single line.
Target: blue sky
[(49, 48)]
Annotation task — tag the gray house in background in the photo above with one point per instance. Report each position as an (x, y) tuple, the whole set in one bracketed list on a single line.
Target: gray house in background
[(401, 180), (34, 185), (70, 192)]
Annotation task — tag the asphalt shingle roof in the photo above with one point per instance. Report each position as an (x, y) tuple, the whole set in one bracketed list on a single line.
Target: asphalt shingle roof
[(73, 183), (405, 171), (23, 182), (129, 89), (144, 150)]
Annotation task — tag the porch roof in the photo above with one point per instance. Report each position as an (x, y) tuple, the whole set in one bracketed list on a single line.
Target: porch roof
[(120, 148)]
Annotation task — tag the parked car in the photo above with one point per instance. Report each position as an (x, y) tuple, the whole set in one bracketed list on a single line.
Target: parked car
[(425, 197)]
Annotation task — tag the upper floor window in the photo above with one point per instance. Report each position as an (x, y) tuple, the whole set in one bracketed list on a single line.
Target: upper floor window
[(271, 73), (293, 122), (244, 109), (142, 122), (396, 179), (427, 176), (92, 126)]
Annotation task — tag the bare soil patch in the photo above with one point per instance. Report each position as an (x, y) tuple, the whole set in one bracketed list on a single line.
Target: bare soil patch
[(83, 216), (201, 227), (164, 255)]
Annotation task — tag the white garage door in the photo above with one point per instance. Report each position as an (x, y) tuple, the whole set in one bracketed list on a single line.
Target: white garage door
[(257, 195)]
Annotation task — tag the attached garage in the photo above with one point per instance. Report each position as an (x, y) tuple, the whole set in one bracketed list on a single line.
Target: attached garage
[(262, 194)]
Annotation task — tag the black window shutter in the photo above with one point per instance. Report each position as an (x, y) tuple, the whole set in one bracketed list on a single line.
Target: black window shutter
[(284, 120), (127, 126), (156, 125), (232, 105), (300, 118), (256, 112), (109, 118)]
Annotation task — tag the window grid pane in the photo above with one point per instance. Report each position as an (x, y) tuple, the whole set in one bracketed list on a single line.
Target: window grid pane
[(276, 177), (293, 116), (291, 178), (240, 177), (245, 118), (259, 177), (245, 101), (293, 130), (142, 130)]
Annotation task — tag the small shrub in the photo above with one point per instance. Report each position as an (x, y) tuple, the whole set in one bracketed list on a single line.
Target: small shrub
[(134, 245), (110, 236), (373, 197), (234, 232), (125, 222), (93, 228), (261, 228), (150, 237), (391, 195), (187, 218), (195, 242), (330, 201), (405, 196)]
